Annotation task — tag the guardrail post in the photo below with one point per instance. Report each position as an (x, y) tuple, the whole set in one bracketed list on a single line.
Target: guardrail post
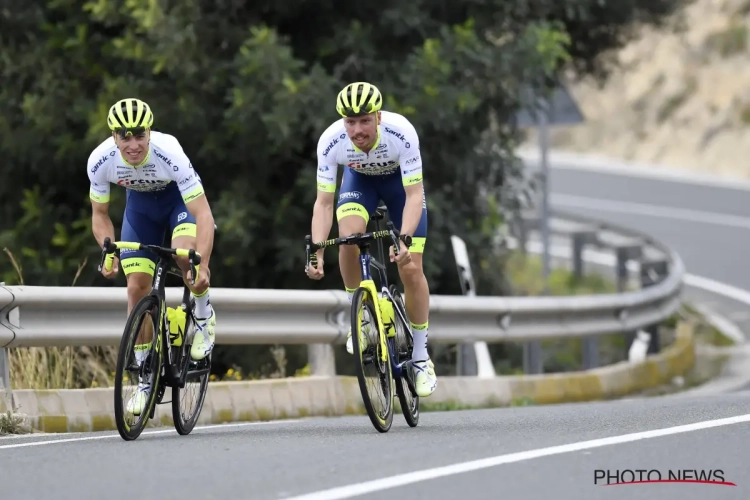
[(590, 345), (652, 272), (321, 359), (529, 221), (5, 374)]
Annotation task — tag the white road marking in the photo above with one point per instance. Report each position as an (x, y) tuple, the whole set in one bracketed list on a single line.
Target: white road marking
[(394, 481), (626, 207), (562, 160), (722, 323), (148, 433)]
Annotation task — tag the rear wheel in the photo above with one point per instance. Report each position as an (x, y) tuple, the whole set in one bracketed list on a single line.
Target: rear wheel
[(404, 342), (187, 401), (144, 316), (374, 375)]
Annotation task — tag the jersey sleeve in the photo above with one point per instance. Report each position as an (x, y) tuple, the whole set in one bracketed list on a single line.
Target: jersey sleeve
[(97, 168), (410, 158), (184, 175), (327, 166)]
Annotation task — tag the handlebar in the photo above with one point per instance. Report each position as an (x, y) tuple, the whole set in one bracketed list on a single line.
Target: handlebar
[(311, 258), (109, 248)]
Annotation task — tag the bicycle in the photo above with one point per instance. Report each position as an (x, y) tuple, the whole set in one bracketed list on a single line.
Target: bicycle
[(392, 352), (176, 331)]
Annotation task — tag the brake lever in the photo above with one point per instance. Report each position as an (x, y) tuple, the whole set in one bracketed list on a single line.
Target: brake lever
[(192, 258), (394, 236), (311, 258), (106, 250)]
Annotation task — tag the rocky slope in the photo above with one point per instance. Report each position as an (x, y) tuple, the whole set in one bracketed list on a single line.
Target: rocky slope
[(680, 98)]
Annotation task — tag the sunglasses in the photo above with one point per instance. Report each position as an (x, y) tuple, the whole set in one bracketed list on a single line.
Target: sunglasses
[(124, 132)]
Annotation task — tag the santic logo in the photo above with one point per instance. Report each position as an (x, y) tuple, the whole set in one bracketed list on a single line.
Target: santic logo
[(350, 195)]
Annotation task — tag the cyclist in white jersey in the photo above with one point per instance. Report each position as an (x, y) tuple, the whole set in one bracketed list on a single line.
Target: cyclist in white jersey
[(164, 192), (380, 154)]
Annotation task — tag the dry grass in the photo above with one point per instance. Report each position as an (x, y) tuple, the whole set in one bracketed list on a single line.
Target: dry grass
[(60, 367)]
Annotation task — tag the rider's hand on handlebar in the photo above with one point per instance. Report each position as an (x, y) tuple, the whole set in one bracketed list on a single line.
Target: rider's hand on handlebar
[(316, 273), (112, 272), (403, 257)]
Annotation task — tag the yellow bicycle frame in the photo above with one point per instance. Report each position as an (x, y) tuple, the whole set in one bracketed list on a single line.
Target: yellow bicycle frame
[(370, 286)]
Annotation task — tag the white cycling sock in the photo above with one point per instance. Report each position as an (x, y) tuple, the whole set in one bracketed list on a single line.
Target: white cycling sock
[(420, 342), (202, 306)]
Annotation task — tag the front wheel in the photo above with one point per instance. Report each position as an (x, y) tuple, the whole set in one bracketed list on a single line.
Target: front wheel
[(404, 345), (372, 372), (145, 366), (193, 393)]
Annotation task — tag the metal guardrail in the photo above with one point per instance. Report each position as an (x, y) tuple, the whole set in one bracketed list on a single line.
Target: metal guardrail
[(65, 316)]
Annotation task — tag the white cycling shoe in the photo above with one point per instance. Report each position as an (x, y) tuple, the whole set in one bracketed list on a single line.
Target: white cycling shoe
[(205, 337), (137, 402)]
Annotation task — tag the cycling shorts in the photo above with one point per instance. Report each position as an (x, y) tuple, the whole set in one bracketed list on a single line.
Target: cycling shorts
[(148, 215), (360, 195)]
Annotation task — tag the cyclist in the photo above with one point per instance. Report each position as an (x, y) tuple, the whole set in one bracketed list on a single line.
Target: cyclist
[(380, 152), (163, 191)]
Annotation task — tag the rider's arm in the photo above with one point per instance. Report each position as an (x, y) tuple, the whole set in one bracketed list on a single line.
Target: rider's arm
[(191, 188), (410, 160), (412, 208), (204, 219), (322, 218), (101, 224)]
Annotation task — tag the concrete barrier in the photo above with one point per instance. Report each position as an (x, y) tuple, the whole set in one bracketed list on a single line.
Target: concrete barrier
[(80, 410)]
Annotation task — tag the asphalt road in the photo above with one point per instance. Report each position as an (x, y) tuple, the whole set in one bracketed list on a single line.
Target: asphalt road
[(287, 460), (519, 453)]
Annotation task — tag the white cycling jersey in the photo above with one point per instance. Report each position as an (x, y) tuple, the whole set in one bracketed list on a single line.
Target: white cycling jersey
[(397, 147), (165, 162)]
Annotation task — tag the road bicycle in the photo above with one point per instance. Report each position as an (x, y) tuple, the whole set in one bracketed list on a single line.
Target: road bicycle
[(175, 328), (391, 352)]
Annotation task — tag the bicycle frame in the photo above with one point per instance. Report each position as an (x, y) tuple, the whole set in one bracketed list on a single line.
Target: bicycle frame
[(383, 299), (164, 266)]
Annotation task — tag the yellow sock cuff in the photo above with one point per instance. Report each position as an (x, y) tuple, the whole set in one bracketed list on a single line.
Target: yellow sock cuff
[(196, 295), (350, 290), (423, 326)]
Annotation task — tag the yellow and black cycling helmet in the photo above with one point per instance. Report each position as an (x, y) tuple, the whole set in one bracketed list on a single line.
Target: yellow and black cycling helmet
[(130, 116), (357, 99)]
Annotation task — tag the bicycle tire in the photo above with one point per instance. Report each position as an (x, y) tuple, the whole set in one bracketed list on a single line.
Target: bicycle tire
[(129, 336), (182, 426), (362, 297), (410, 411)]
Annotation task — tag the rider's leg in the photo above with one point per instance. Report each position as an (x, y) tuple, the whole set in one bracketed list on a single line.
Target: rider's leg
[(184, 236), (357, 200), (138, 267), (416, 288)]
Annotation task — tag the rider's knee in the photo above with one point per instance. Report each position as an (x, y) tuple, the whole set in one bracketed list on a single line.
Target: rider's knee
[(350, 225), (138, 285), (410, 272), (183, 241)]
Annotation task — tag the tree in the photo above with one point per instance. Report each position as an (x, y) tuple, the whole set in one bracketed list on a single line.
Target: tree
[(247, 88)]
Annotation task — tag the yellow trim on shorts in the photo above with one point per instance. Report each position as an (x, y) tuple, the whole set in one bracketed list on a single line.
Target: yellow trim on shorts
[(352, 209), (185, 229), (417, 245), (138, 265)]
